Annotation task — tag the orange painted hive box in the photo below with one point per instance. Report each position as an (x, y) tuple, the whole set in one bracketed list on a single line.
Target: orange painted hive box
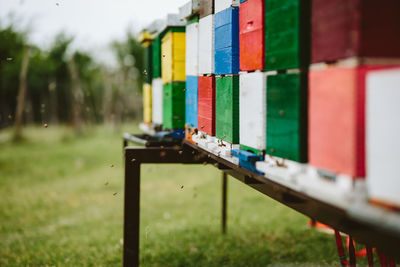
[(206, 105), (251, 35), (337, 119)]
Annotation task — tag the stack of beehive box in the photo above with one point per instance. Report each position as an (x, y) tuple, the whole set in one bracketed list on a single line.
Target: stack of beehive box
[(173, 73), (157, 84), (301, 81), (145, 39), (286, 58), (190, 14), (353, 114), (206, 79)]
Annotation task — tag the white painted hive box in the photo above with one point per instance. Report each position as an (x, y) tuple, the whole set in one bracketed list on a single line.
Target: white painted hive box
[(192, 49), (252, 110), (383, 136), (157, 100), (206, 45)]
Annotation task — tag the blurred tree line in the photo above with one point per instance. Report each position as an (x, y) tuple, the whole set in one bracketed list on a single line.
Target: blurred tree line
[(60, 86)]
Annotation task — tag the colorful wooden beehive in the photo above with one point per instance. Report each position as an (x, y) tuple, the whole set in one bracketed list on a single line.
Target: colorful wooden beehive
[(173, 55), (252, 112), (382, 137), (287, 116), (174, 105), (227, 41), (192, 47), (206, 45), (251, 35), (287, 34), (191, 101), (206, 8), (157, 101), (227, 108), (206, 105), (358, 28), (145, 39), (337, 118), (220, 5)]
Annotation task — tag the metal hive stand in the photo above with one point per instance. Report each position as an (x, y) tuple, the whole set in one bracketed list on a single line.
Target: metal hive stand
[(361, 229)]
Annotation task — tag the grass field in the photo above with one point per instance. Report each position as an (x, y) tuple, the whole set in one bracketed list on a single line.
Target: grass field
[(61, 204)]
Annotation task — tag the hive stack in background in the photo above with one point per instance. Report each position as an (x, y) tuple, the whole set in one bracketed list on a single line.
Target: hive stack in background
[(173, 72), (190, 13), (252, 83), (157, 84), (206, 79), (145, 39), (353, 65)]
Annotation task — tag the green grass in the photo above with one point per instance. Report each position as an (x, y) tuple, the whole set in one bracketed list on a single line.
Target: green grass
[(57, 207)]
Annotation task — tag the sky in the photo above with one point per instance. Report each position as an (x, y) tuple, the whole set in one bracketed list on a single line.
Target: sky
[(94, 23)]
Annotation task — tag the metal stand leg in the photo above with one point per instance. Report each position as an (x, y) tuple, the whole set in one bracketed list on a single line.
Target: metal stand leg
[(224, 196), (131, 213)]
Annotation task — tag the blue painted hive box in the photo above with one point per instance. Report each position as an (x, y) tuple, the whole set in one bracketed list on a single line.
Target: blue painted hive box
[(191, 101), (227, 41)]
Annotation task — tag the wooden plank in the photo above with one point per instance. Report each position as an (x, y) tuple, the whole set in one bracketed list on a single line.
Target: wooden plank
[(227, 41), (383, 143), (227, 108), (206, 105), (252, 110), (287, 116), (251, 35), (174, 105), (191, 101)]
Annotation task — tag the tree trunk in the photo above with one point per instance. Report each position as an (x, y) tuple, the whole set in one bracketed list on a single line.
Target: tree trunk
[(21, 95), (107, 101), (53, 103), (77, 97)]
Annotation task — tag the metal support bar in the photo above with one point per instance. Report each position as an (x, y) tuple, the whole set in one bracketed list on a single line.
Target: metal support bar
[(224, 201), (131, 213), (134, 157)]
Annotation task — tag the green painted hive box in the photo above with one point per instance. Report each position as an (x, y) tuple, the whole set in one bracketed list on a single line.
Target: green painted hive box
[(227, 108), (287, 116), (287, 34), (156, 57), (174, 105)]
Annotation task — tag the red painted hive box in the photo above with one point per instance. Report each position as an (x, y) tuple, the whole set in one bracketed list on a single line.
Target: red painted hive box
[(356, 28), (206, 105), (251, 35), (337, 119)]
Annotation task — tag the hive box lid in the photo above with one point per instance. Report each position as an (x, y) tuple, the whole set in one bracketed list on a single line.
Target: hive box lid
[(189, 9), (172, 20), (220, 5)]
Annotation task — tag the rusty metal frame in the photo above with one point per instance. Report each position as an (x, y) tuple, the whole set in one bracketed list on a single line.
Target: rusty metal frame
[(188, 153)]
